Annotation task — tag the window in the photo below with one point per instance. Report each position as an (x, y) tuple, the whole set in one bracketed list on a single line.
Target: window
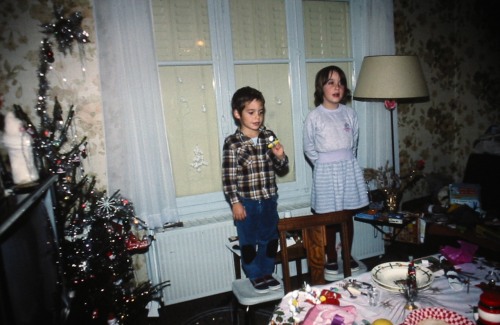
[(206, 49)]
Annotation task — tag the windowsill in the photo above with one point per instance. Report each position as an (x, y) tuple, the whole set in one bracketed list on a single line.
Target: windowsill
[(296, 208)]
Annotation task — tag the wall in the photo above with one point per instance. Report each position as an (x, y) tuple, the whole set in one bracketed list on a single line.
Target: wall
[(458, 47), (74, 78)]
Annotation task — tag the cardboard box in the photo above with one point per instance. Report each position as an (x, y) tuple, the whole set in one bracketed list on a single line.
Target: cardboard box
[(413, 232)]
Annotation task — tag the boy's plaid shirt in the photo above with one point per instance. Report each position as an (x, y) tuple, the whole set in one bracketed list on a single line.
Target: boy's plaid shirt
[(250, 170)]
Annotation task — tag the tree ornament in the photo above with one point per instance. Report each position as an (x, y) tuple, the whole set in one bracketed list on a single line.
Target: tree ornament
[(66, 30), (135, 245), (107, 205)]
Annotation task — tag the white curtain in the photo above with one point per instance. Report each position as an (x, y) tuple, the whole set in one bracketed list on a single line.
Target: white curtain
[(136, 147), (138, 162), (374, 35)]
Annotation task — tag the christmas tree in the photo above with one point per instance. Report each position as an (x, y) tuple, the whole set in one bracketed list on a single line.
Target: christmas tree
[(99, 233)]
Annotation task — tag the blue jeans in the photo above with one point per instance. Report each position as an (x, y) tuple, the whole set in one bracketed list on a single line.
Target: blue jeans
[(258, 235)]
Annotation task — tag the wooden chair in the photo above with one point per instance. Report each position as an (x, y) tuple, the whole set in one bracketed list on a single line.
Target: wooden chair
[(314, 237)]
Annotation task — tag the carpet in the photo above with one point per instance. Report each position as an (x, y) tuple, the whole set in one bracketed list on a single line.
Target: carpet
[(224, 315)]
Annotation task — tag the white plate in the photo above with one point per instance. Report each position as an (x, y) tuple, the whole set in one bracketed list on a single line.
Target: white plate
[(392, 275)]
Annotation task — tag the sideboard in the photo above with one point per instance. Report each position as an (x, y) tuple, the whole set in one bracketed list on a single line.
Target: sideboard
[(30, 279)]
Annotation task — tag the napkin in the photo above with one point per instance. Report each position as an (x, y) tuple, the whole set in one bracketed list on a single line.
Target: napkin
[(454, 280)]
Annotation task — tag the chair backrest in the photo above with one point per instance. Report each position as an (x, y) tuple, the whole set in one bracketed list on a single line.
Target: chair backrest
[(313, 229)]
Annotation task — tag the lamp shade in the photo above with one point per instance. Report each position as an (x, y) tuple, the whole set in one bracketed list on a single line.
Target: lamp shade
[(391, 77)]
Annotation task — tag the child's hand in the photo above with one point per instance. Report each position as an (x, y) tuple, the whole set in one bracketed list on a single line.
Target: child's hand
[(239, 212), (278, 150), (276, 147)]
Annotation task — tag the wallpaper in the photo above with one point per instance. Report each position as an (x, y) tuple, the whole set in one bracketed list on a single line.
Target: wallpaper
[(454, 40), (73, 77), (458, 48)]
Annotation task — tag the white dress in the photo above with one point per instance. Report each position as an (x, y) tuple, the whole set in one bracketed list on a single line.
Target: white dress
[(330, 144)]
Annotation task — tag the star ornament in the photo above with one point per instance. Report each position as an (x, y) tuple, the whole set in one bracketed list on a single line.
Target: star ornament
[(66, 30), (107, 205)]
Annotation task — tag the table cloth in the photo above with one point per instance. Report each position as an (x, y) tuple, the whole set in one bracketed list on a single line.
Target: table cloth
[(391, 304)]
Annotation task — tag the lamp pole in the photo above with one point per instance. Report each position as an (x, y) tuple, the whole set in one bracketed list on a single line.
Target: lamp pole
[(392, 143)]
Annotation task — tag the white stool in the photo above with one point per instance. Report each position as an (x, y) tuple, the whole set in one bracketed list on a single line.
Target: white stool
[(245, 295)]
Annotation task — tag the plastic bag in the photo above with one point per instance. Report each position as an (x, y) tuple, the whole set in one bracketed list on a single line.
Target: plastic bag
[(460, 255)]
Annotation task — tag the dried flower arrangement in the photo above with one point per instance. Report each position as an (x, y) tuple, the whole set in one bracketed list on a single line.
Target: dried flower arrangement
[(392, 184), (385, 177)]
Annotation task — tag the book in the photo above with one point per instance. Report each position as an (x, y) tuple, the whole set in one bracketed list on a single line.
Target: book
[(367, 216), (465, 194), (396, 218)]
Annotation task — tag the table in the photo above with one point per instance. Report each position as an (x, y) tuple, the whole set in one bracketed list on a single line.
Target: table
[(430, 229), (391, 304), (467, 235), (436, 229), (379, 223)]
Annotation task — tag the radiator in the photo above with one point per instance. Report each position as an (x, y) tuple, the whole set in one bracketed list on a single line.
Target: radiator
[(197, 262), (368, 241)]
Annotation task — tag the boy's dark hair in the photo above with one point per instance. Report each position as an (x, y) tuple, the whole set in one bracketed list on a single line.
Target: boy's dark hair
[(322, 78), (245, 95)]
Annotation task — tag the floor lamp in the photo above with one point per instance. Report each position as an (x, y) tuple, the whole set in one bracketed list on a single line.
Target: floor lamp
[(391, 78)]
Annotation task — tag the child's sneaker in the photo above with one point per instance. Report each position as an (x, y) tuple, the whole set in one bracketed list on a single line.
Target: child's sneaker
[(354, 266), (260, 285), (332, 268), (271, 282)]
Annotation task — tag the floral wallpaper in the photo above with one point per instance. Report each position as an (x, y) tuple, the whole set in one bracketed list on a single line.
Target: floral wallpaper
[(73, 77), (458, 48), (454, 39)]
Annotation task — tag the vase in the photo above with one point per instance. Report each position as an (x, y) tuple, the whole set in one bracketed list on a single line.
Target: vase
[(393, 198)]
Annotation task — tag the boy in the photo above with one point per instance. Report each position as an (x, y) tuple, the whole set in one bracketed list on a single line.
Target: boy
[(252, 157)]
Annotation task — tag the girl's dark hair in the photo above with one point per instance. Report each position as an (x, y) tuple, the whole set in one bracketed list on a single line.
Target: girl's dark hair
[(245, 95), (322, 78)]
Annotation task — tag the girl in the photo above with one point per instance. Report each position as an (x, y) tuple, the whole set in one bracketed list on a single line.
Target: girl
[(330, 144)]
